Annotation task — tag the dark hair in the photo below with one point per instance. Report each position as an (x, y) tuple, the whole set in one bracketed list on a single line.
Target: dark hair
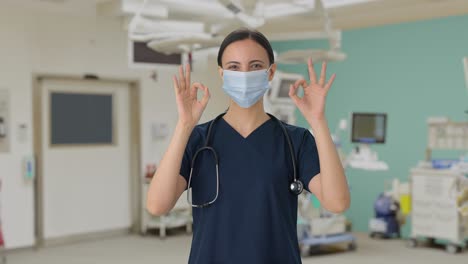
[(245, 33)]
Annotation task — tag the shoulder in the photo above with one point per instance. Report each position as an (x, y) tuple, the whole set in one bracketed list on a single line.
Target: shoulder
[(201, 129), (296, 131), (299, 136), (198, 135)]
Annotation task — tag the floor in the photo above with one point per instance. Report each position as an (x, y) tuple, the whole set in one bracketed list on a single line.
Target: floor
[(175, 249)]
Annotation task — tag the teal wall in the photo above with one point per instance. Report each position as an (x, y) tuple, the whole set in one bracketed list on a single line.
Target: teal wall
[(410, 71)]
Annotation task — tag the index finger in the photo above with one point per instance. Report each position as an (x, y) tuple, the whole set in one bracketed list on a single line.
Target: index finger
[(182, 82), (187, 75), (310, 64), (323, 74), (176, 84), (301, 82)]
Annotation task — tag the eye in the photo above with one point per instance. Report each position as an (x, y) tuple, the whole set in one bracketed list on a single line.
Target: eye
[(232, 67), (257, 66)]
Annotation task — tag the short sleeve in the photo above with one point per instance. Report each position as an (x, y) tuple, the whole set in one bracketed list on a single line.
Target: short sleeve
[(309, 164), (190, 149)]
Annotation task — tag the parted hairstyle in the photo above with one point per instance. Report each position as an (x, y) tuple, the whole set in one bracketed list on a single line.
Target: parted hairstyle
[(245, 33)]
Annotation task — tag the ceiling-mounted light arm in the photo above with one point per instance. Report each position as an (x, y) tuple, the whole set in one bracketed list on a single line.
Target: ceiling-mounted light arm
[(304, 35), (160, 36), (136, 18), (334, 40), (148, 29), (320, 9), (218, 28), (259, 10), (250, 21)]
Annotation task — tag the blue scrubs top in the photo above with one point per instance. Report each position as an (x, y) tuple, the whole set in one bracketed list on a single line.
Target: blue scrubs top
[(254, 217)]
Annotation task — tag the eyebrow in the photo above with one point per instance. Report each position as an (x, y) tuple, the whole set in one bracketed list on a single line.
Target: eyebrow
[(257, 61), (252, 61)]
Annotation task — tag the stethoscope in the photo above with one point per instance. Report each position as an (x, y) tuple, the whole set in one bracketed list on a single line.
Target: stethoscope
[(296, 187)]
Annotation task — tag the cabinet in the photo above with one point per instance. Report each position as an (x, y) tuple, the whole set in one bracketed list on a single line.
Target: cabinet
[(436, 198)]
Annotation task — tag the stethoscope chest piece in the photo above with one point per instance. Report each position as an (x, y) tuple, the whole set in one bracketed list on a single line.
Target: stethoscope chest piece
[(296, 187)]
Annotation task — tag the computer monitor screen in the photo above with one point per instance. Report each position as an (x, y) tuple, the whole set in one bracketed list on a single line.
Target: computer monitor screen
[(369, 128), (140, 56), (284, 87), (279, 92)]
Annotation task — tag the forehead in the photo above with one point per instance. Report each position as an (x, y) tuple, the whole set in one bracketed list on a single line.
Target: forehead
[(244, 50)]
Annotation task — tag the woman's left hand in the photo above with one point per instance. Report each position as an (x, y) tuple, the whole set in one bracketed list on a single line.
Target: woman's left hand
[(312, 104)]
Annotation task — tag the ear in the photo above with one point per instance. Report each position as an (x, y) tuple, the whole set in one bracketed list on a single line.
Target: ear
[(272, 72), (220, 71)]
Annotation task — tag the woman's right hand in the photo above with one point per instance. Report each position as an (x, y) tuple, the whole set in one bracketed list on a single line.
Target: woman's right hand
[(190, 109)]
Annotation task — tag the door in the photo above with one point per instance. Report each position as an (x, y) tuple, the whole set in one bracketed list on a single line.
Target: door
[(85, 158)]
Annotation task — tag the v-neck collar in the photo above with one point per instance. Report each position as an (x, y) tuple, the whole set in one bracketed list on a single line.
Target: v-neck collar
[(251, 133)]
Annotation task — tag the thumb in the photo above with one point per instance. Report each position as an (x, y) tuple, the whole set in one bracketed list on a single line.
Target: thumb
[(293, 94), (206, 96)]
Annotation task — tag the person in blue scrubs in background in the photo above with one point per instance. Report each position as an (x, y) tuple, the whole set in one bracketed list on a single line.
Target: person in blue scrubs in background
[(251, 214)]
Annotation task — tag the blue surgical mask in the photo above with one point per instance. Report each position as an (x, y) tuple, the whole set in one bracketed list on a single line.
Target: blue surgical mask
[(245, 88)]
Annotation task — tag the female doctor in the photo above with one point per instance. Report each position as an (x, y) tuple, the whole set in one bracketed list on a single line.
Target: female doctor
[(244, 169)]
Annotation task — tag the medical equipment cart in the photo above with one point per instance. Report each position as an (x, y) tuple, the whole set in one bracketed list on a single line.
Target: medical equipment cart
[(321, 230), (436, 213), (439, 196), (180, 216), (310, 242)]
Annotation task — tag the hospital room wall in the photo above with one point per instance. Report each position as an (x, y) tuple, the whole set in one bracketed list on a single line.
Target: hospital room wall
[(34, 43), (411, 71)]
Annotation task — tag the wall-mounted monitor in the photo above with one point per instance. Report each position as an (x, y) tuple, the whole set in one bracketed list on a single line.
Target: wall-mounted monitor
[(140, 56), (369, 128), (280, 87)]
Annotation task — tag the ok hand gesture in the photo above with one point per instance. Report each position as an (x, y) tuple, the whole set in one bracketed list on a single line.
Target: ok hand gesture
[(188, 106), (312, 104)]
